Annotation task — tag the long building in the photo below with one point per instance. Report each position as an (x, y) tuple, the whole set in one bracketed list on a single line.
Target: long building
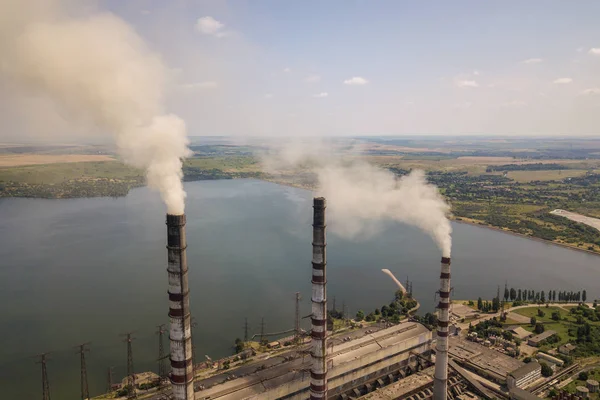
[(350, 364)]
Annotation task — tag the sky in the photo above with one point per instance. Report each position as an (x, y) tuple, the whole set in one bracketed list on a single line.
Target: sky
[(334, 68)]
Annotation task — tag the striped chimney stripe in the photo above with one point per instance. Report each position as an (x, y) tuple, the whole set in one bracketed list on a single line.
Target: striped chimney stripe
[(180, 337), (440, 381), (318, 370)]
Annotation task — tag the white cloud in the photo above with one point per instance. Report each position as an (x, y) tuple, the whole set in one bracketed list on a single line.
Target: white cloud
[(287, 69), (476, 73), (465, 105), (200, 85), (514, 103), (563, 80), (312, 78), (533, 61), (590, 91), (269, 96), (466, 83), (356, 80), (595, 51), (579, 49), (210, 26), (321, 95)]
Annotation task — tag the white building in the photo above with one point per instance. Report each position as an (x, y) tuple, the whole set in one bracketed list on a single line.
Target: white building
[(524, 376)]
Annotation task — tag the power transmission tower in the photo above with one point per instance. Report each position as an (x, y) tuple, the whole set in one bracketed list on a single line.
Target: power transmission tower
[(130, 374), (109, 380), (162, 368), (262, 329), (245, 330), (45, 382), (297, 320), (85, 391)]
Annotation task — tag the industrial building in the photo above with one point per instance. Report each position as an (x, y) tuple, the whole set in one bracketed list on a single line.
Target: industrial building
[(537, 339), (396, 351), (482, 360), (524, 376)]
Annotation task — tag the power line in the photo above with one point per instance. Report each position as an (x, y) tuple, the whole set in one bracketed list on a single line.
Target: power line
[(109, 381), (297, 321), (162, 369), (45, 382), (130, 374), (85, 391)]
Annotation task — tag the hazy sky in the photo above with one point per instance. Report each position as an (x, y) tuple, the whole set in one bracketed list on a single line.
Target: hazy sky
[(374, 67)]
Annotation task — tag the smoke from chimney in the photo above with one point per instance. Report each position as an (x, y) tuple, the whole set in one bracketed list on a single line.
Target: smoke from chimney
[(100, 72), (349, 185)]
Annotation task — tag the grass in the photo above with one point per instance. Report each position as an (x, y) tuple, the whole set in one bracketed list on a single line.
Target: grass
[(226, 163), (528, 176), (61, 172), (592, 374), (533, 312)]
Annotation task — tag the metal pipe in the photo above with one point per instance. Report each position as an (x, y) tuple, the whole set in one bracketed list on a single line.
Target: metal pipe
[(180, 333), (318, 369), (440, 376)]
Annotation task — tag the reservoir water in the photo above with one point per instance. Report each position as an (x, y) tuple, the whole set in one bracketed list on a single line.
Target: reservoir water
[(88, 270)]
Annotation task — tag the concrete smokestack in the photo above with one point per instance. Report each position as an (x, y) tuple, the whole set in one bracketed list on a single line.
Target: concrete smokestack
[(318, 370), (180, 333), (440, 376)]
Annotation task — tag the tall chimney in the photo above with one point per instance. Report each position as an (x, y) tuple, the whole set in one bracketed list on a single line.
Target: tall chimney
[(318, 369), (180, 334), (440, 376)]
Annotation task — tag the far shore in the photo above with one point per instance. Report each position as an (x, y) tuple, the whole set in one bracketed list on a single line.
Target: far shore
[(462, 221)]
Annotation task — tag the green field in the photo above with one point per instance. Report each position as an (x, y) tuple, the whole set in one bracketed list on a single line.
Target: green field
[(61, 172)]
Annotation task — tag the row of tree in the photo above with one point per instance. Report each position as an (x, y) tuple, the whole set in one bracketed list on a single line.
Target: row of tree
[(540, 297)]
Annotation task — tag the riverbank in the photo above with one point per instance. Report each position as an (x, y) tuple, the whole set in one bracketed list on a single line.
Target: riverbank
[(483, 225)]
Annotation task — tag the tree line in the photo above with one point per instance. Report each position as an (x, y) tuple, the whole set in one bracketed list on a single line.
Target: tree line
[(521, 296)]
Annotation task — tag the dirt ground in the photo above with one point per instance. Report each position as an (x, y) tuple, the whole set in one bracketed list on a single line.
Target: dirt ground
[(593, 222), (14, 160)]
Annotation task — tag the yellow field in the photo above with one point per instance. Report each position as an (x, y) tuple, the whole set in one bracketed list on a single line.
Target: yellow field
[(15, 160)]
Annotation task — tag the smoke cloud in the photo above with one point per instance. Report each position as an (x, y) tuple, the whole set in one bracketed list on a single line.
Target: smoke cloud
[(98, 69), (361, 196)]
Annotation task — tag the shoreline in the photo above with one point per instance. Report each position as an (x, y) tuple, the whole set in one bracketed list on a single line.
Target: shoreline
[(462, 221), (537, 239)]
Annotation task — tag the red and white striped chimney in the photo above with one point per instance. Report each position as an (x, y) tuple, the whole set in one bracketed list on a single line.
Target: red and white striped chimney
[(318, 370), (440, 376), (180, 333)]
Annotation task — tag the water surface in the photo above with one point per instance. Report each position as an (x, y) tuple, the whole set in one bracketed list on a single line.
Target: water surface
[(79, 270)]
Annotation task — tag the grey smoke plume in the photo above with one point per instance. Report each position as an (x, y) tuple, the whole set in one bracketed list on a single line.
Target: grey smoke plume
[(100, 71), (360, 196)]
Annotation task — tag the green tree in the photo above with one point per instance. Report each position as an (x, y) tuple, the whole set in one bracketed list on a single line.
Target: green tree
[(506, 293), (480, 304), (546, 370), (532, 320), (360, 315), (539, 328), (513, 294), (556, 316), (583, 376), (239, 345), (583, 296), (540, 312), (543, 297), (519, 295), (377, 312)]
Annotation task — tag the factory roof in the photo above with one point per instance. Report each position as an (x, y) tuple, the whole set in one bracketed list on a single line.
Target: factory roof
[(520, 394), (491, 361), (258, 382), (525, 370), (520, 332), (403, 387), (542, 336)]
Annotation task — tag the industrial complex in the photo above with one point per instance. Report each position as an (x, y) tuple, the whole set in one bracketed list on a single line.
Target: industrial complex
[(403, 358)]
